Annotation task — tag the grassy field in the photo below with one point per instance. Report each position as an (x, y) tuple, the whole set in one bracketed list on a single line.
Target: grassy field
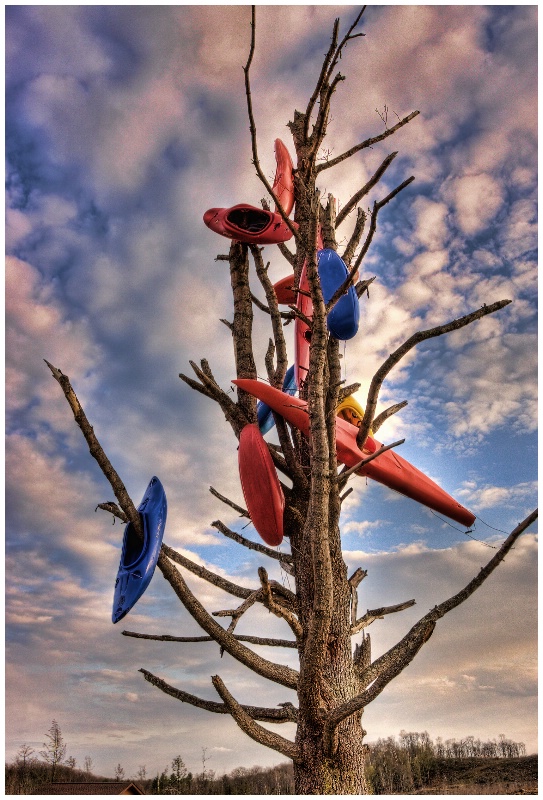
[(467, 776)]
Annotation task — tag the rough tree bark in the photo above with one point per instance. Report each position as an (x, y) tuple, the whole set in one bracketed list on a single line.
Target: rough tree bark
[(333, 684)]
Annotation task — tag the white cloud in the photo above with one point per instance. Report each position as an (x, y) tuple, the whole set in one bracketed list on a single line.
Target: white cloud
[(480, 497), (493, 384), (477, 199)]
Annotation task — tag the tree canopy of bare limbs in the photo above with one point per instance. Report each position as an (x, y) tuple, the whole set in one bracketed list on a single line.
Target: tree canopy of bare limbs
[(333, 683)]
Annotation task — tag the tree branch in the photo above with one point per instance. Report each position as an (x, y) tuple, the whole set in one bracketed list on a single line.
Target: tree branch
[(322, 77), (267, 669), (354, 581), (278, 336), (377, 206), (378, 613), (114, 509), (389, 665), (275, 672), (259, 304), (206, 574), (357, 197), (347, 391), (275, 608), (251, 728), (290, 257), (356, 235), (400, 352), (252, 128), (260, 548), (208, 386), (260, 640), (384, 415), (286, 714), (363, 286), (367, 143), (241, 511), (96, 451), (243, 324)]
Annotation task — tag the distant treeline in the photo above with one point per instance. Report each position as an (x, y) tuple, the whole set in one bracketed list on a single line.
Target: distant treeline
[(414, 760), (394, 765)]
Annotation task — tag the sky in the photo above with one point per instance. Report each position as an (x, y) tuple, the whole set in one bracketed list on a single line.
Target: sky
[(123, 125)]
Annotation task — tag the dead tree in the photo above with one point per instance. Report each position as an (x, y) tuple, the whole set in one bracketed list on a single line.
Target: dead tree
[(333, 683)]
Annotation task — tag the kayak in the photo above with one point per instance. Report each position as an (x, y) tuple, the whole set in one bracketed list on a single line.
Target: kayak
[(138, 559), (283, 184), (286, 296), (264, 412), (351, 410), (389, 469), (261, 488), (344, 319), (248, 224), (302, 332)]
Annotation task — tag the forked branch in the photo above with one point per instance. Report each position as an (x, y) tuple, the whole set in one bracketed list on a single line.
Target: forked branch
[(367, 143), (251, 728), (377, 206), (378, 613), (357, 197), (388, 666), (400, 352), (286, 714), (267, 669)]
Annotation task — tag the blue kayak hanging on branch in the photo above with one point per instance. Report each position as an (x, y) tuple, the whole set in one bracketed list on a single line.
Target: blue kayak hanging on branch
[(138, 559), (344, 318)]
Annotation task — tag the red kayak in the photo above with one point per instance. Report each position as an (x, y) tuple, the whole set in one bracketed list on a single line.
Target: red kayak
[(246, 223), (284, 292), (302, 333), (389, 469), (283, 185), (261, 488)]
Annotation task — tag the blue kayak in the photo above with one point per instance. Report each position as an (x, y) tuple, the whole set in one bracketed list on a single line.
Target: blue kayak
[(138, 559), (264, 412), (344, 319)]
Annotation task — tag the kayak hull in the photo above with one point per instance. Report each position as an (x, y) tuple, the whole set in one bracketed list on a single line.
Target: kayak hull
[(261, 488), (286, 296), (388, 469), (344, 319), (138, 560), (302, 332), (246, 223), (283, 185)]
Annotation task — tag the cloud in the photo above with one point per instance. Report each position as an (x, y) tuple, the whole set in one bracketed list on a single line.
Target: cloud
[(359, 526), (477, 199), (481, 497), (494, 385)]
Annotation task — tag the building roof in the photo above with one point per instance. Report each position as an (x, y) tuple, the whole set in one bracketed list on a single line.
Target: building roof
[(92, 787)]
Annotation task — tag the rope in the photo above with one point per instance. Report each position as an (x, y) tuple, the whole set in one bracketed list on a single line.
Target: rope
[(466, 533), (490, 526)]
